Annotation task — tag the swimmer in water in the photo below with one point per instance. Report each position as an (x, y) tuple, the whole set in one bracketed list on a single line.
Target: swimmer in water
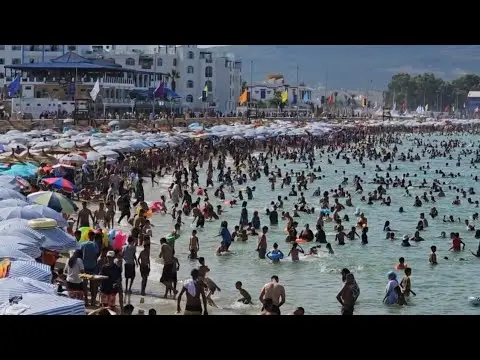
[(401, 264), (433, 256), (329, 248), (246, 298), (295, 251), (275, 250)]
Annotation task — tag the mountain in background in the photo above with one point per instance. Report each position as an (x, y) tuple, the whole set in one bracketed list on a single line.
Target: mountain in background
[(354, 66)]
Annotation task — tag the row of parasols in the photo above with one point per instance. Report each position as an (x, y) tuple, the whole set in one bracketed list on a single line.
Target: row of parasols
[(25, 284)]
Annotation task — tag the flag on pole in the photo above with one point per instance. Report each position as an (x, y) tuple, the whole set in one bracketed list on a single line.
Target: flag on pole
[(243, 97), (426, 107), (331, 100), (159, 90), (95, 91), (306, 98), (205, 93), (14, 86), (284, 96)]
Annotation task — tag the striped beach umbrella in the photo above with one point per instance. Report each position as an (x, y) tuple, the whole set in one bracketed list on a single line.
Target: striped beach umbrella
[(31, 212), (51, 239), (44, 304), (12, 202), (13, 252), (53, 200), (28, 245), (30, 269), (13, 287), (10, 194)]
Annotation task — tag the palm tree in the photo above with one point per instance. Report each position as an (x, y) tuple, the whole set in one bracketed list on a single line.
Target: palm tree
[(173, 77)]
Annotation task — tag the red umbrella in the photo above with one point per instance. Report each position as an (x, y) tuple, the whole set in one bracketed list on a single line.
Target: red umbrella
[(60, 183)]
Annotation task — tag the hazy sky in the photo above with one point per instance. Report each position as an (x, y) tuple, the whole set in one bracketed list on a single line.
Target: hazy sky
[(207, 46)]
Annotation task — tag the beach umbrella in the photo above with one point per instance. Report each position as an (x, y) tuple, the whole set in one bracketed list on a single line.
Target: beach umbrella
[(51, 239), (30, 212), (72, 158), (4, 148), (109, 153), (10, 194), (22, 170), (59, 183), (13, 252), (53, 200), (113, 123), (28, 245), (43, 304), (12, 202), (12, 287), (30, 269), (7, 183), (93, 156)]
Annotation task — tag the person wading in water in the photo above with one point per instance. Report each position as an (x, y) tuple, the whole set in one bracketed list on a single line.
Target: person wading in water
[(194, 289)]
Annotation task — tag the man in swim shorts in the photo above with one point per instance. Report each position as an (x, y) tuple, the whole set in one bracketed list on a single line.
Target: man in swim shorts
[(274, 291), (166, 253), (346, 296)]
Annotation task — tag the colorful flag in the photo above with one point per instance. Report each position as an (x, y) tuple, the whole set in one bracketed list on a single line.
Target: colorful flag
[(159, 90), (331, 100), (243, 98), (284, 96), (14, 86), (426, 107)]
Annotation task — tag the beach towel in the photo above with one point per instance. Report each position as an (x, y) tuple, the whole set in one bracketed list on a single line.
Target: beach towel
[(190, 286)]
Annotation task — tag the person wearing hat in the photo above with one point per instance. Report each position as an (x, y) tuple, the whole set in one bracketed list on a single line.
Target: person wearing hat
[(405, 241), (391, 296), (110, 285)]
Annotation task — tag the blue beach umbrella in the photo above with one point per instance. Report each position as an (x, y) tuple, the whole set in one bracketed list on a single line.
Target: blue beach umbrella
[(28, 245), (43, 304), (30, 269), (53, 200), (51, 239), (14, 252), (10, 194), (25, 171), (31, 212), (12, 287), (12, 202)]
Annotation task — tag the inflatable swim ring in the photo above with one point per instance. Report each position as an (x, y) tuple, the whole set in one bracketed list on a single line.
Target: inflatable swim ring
[(325, 211), (148, 213), (227, 202), (200, 191), (301, 241), (275, 256), (171, 238), (398, 267), (474, 300), (42, 223)]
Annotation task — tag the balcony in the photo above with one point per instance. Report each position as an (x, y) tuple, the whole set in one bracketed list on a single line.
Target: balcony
[(114, 81)]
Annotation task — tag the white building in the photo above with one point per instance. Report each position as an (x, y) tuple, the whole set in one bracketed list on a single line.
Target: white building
[(298, 94), (195, 68)]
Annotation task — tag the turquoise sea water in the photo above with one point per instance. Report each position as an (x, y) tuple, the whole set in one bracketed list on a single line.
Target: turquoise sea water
[(314, 282)]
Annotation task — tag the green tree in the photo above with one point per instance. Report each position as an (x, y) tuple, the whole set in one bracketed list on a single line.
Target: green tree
[(276, 101), (423, 89)]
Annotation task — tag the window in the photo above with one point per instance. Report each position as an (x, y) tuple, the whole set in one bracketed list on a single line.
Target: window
[(16, 47), (72, 48), (16, 61), (262, 94), (130, 62), (31, 60), (159, 62), (174, 62), (209, 85), (208, 72), (189, 69), (190, 84), (189, 99), (191, 55), (2, 61)]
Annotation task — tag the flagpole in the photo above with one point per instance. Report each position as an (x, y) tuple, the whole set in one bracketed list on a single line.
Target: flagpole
[(298, 95), (326, 88), (155, 76), (75, 95), (251, 87)]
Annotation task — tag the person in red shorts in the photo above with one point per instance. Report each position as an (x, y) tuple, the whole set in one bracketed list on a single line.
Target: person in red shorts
[(110, 285)]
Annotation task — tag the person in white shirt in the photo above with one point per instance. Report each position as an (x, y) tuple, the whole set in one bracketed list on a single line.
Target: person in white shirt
[(72, 270)]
